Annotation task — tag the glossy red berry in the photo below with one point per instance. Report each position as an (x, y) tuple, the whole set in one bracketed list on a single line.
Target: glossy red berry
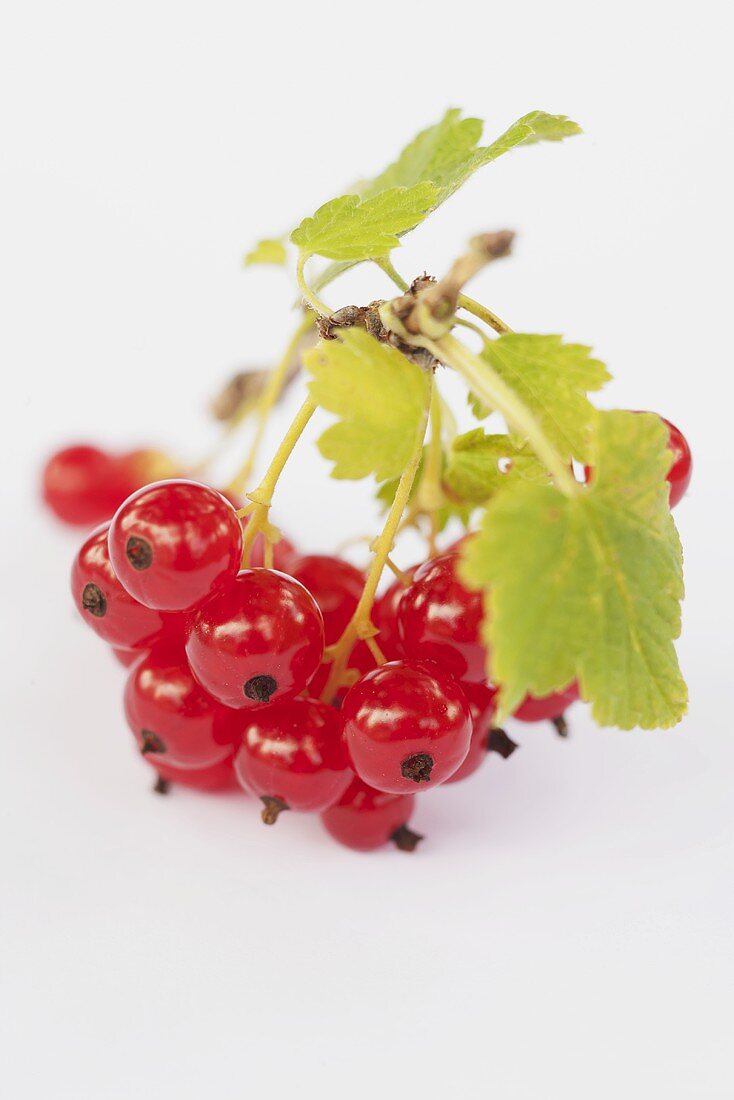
[(440, 620), (292, 756), (335, 585), (365, 819), (539, 708), (174, 544), (679, 474), (79, 485), (407, 726), (85, 485), (259, 641), (482, 699), (217, 777), (105, 605), (172, 718)]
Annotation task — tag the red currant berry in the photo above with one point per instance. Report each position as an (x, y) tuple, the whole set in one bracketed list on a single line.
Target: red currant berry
[(540, 708), (482, 699), (258, 641), (79, 485), (174, 544), (335, 585), (217, 777), (440, 620), (365, 819), (172, 718), (293, 757), (679, 474), (105, 605), (407, 723)]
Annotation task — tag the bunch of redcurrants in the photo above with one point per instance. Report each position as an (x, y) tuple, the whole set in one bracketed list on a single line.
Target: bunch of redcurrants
[(229, 667)]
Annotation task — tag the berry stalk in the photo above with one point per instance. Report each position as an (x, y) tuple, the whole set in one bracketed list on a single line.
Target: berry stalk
[(360, 625), (262, 497), (267, 402)]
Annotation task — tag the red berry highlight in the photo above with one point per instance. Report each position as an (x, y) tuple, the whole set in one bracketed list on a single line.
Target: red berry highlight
[(174, 544), (259, 641), (407, 726)]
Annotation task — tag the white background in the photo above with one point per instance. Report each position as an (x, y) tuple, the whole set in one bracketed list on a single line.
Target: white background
[(565, 931)]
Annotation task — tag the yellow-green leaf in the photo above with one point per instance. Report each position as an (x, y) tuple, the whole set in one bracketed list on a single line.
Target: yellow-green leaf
[(367, 223), (479, 465), (379, 397), (589, 587), (268, 251), (352, 228), (552, 379)]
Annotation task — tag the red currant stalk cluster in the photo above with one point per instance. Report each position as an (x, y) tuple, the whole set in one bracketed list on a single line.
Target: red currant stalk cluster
[(231, 669)]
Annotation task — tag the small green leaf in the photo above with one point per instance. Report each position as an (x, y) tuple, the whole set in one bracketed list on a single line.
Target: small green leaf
[(589, 587), (367, 224), (267, 251), (379, 397), (552, 378), (351, 228), (479, 465), (536, 126), (480, 410)]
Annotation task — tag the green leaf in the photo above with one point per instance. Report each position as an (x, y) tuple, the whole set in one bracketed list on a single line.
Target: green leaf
[(267, 251), (589, 587), (552, 378), (480, 410), (535, 126), (479, 465), (379, 397), (351, 228), (431, 168)]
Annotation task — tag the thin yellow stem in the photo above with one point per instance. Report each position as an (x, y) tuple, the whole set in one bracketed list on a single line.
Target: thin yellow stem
[(262, 496), (319, 307), (266, 403), (397, 572), (430, 493), (386, 264), (484, 314), (360, 625), (380, 658)]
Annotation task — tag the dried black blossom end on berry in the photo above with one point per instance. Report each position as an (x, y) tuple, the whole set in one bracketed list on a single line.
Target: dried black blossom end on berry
[(94, 600), (260, 688), (405, 840), (499, 742), (418, 767), (151, 743), (139, 553)]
